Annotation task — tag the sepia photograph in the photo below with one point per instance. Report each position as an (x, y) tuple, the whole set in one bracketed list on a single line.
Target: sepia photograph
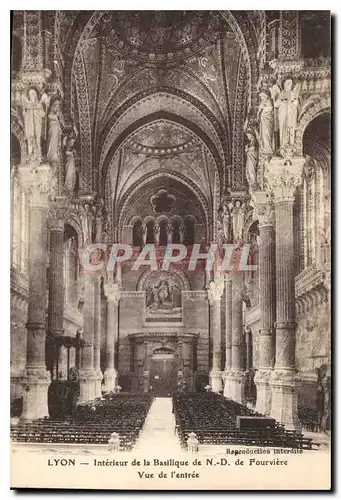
[(170, 249)]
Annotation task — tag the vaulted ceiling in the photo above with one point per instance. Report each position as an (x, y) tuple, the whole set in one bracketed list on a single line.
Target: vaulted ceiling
[(154, 92)]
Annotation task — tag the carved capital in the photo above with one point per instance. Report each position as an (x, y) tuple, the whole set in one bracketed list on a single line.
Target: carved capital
[(58, 213), (215, 290), (112, 292), (39, 183), (283, 177), (263, 208)]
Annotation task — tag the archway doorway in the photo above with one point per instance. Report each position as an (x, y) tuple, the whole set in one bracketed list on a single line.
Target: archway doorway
[(163, 375)]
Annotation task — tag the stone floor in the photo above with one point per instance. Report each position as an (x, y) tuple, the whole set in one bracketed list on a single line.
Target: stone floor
[(159, 429)]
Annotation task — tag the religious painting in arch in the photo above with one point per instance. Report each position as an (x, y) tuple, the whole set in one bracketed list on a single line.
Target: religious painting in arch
[(163, 297)]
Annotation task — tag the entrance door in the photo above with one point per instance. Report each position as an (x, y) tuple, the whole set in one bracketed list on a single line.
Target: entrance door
[(163, 374)]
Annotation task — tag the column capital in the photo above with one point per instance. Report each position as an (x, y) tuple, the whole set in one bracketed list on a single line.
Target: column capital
[(39, 183), (215, 290), (112, 292), (283, 176), (263, 208), (58, 213)]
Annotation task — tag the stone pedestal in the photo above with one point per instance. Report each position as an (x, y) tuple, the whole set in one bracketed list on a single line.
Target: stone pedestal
[(228, 336), (236, 377), (112, 292), (215, 293), (38, 182), (283, 176), (264, 211)]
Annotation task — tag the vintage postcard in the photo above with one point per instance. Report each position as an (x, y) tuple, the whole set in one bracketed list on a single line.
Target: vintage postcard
[(170, 250)]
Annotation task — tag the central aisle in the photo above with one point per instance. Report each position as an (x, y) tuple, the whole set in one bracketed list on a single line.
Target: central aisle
[(158, 432)]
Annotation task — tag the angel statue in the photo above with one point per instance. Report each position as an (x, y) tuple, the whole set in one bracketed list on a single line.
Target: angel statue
[(226, 221), (54, 132), (286, 105), (70, 161), (238, 215), (252, 155), (33, 112), (265, 116)]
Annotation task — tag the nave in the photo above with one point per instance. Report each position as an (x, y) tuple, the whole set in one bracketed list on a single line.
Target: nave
[(144, 423)]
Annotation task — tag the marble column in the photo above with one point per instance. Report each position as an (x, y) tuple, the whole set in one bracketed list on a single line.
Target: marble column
[(264, 211), (38, 182), (87, 375), (97, 335), (283, 176), (215, 292), (112, 292), (56, 281), (237, 372), (228, 334)]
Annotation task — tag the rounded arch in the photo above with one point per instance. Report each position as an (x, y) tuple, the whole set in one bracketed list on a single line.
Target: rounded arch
[(162, 218), (117, 132), (73, 222), (149, 273), (147, 219), (130, 195), (318, 108)]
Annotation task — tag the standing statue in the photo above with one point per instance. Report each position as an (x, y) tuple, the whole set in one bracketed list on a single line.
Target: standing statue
[(70, 163), (33, 112), (226, 221), (238, 215), (252, 155), (87, 222), (287, 104), (54, 132), (265, 117)]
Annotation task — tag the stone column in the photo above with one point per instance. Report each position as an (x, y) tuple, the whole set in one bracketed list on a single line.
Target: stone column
[(215, 293), (56, 280), (169, 233), (38, 182), (87, 376), (228, 334), (283, 177), (97, 336), (180, 360), (146, 367), (112, 291), (98, 310), (264, 211), (237, 372)]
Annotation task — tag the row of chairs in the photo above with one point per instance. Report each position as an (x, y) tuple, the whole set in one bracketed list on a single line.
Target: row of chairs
[(93, 422), (213, 419)]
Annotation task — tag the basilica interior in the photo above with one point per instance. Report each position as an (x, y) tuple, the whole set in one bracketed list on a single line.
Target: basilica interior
[(174, 127)]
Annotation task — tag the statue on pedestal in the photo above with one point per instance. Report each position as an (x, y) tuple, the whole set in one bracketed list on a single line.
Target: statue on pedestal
[(33, 113), (54, 132), (286, 103), (265, 117)]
